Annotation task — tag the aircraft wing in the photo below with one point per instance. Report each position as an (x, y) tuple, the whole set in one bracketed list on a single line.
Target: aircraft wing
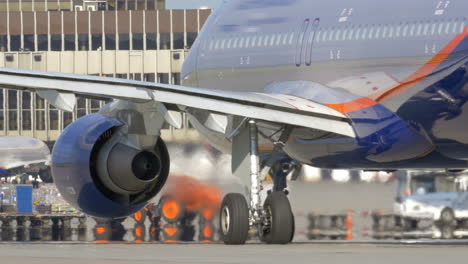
[(22, 153), (60, 90)]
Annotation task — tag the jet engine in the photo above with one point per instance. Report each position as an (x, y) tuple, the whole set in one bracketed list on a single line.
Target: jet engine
[(106, 165)]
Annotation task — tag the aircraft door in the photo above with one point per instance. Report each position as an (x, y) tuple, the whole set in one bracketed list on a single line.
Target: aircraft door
[(300, 42), (310, 41), (305, 42)]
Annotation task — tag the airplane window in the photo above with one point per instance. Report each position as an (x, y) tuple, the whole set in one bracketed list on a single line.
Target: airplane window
[(412, 30), (462, 26), (447, 27), (330, 35), (371, 32), (254, 41), (265, 41), (364, 33), (344, 34), (235, 42), (358, 33), (337, 34), (377, 32), (420, 28), (247, 42), (455, 27), (223, 43), (278, 39), (259, 41), (291, 38), (272, 40), (405, 30), (284, 38), (211, 44), (390, 31), (426, 29), (441, 27), (433, 28), (324, 35), (241, 42), (384, 32), (217, 44), (229, 42), (351, 33), (398, 31)]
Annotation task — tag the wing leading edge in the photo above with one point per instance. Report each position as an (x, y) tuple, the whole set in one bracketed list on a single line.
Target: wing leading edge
[(60, 89)]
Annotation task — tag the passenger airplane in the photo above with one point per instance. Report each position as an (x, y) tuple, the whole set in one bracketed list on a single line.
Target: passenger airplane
[(24, 154), (358, 84)]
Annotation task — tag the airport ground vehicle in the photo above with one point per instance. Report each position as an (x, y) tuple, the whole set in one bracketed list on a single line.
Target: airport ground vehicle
[(428, 204)]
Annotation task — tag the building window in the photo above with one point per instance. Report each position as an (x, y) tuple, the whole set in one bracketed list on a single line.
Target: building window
[(151, 41), (29, 43), (121, 75), (2, 116), (150, 5), (135, 76), (12, 110), (176, 78), (83, 42), (191, 37), (3, 43), (69, 42), (163, 78), (67, 118), (149, 77), (42, 43), (164, 41), (56, 42), (121, 5), (110, 42), (40, 113), (95, 105), (137, 41), (96, 41), (26, 111), (53, 118), (81, 107), (178, 40), (15, 42), (131, 5), (124, 42)]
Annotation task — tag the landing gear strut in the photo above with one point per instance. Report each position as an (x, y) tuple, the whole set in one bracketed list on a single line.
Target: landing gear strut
[(273, 220)]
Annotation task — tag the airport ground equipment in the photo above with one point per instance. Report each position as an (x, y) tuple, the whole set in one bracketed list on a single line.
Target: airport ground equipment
[(329, 226), (429, 205)]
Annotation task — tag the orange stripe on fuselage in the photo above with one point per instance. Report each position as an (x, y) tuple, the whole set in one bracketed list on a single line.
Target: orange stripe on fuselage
[(406, 84), (353, 106)]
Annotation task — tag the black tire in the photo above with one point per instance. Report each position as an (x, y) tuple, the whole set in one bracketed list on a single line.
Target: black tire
[(281, 222), (447, 217), (234, 219)]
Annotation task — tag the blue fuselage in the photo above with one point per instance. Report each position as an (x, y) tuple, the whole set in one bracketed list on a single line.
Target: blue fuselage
[(397, 69)]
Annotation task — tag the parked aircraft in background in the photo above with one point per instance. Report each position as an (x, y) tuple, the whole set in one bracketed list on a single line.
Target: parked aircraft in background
[(358, 84), (24, 155)]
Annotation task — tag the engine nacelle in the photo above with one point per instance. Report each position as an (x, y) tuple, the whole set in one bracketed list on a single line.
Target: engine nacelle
[(105, 172)]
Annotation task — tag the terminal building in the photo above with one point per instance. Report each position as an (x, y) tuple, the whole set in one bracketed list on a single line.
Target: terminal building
[(130, 39)]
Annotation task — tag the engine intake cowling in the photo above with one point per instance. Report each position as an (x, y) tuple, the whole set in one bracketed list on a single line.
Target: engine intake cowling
[(99, 171)]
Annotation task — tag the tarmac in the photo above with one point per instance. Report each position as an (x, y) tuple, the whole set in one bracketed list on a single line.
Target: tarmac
[(319, 252)]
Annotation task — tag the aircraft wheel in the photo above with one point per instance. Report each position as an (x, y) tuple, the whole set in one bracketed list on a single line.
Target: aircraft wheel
[(447, 217), (234, 219), (279, 220)]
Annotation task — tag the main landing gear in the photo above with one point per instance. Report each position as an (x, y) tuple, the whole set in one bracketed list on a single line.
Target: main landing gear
[(273, 220)]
